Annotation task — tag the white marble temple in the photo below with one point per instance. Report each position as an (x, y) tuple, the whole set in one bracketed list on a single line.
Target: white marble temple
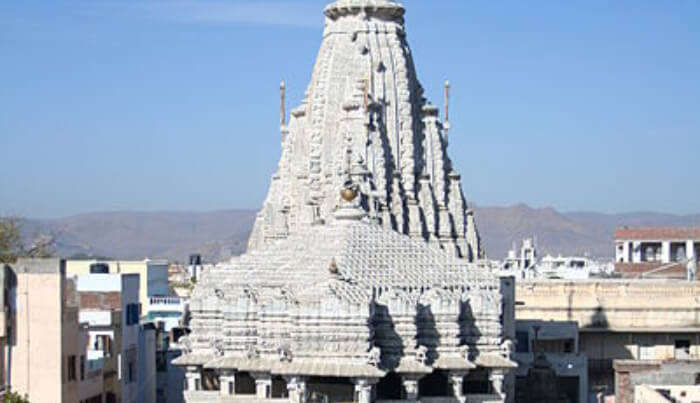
[(359, 282)]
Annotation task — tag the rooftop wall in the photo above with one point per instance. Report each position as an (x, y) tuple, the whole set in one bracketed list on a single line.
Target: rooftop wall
[(597, 305)]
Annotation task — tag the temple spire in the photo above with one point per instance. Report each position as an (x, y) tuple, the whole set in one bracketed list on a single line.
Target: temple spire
[(447, 112)]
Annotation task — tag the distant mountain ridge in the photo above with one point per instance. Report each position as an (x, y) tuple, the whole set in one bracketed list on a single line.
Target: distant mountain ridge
[(218, 235)]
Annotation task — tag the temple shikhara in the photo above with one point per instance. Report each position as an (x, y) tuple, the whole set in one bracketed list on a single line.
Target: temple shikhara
[(361, 281)]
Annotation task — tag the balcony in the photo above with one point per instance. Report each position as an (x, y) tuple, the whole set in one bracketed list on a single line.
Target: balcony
[(166, 304)]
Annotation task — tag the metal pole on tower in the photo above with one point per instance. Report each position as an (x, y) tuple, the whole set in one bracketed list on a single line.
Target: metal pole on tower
[(447, 112)]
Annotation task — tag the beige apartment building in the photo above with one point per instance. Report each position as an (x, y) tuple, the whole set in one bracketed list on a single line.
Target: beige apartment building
[(46, 351)]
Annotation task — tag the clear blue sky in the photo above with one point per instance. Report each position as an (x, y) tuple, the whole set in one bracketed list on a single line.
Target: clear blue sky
[(173, 104)]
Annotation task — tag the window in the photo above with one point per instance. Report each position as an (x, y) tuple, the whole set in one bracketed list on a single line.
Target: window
[(104, 343), (162, 361), (678, 253), (82, 367), (131, 372), (132, 314), (99, 268), (568, 346), (71, 368), (682, 349), (522, 342), (646, 351)]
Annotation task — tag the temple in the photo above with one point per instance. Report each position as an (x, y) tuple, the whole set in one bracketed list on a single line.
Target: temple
[(360, 282)]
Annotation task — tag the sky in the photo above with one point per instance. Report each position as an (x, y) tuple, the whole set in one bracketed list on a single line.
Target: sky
[(173, 104)]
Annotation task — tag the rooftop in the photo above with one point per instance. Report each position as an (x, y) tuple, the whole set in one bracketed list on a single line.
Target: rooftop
[(657, 233)]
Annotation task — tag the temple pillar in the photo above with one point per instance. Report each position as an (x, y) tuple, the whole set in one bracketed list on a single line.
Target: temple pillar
[(296, 386), (263, 384), (457, 382), (363, 390), (194, 379), (497, 376), (411, 387), (227, 383)]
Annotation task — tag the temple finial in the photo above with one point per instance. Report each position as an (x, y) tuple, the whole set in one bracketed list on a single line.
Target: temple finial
[(447, 112), (283, 113)]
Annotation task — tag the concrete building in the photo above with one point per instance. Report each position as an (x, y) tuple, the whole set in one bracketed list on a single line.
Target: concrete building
[(525, 264), (46, 353), (651, 381), (157, 305), (147, 363), (667, 394), (153, 273), (619, 320), (109, 303), (5, 273), (656, 252), (557, 343), (170, 378)]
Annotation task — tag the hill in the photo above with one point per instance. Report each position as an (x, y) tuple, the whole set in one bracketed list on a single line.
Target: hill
[(218, 235)]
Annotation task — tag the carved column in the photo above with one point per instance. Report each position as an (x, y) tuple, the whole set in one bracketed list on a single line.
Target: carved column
[(363, 390), (457, 382), (194, 379), (411, 387), (263, 384), (497, 377), (296, 386), (227, 383)]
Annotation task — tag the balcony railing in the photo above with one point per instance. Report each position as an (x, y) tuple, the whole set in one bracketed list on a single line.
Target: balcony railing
[(167, 300)]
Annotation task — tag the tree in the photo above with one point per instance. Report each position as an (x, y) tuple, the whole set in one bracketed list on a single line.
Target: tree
[(12, 246), (13, 397), (10, 239)]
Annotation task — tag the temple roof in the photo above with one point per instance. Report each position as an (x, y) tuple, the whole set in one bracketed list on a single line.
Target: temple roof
[(348, 258)]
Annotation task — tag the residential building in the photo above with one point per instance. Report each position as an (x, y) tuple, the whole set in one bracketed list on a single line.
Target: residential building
[(667, 394), (170, 378), (4, 275), (46, 354), (556, 345), (153, 273), (147, 363), (109, 303), (655, 319), (154, 294), (656, 252), (651, 381), (526, 264)]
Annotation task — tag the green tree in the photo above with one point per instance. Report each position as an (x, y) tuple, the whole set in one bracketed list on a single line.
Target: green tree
[(10, 239), (12, 246), (13, 397)]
